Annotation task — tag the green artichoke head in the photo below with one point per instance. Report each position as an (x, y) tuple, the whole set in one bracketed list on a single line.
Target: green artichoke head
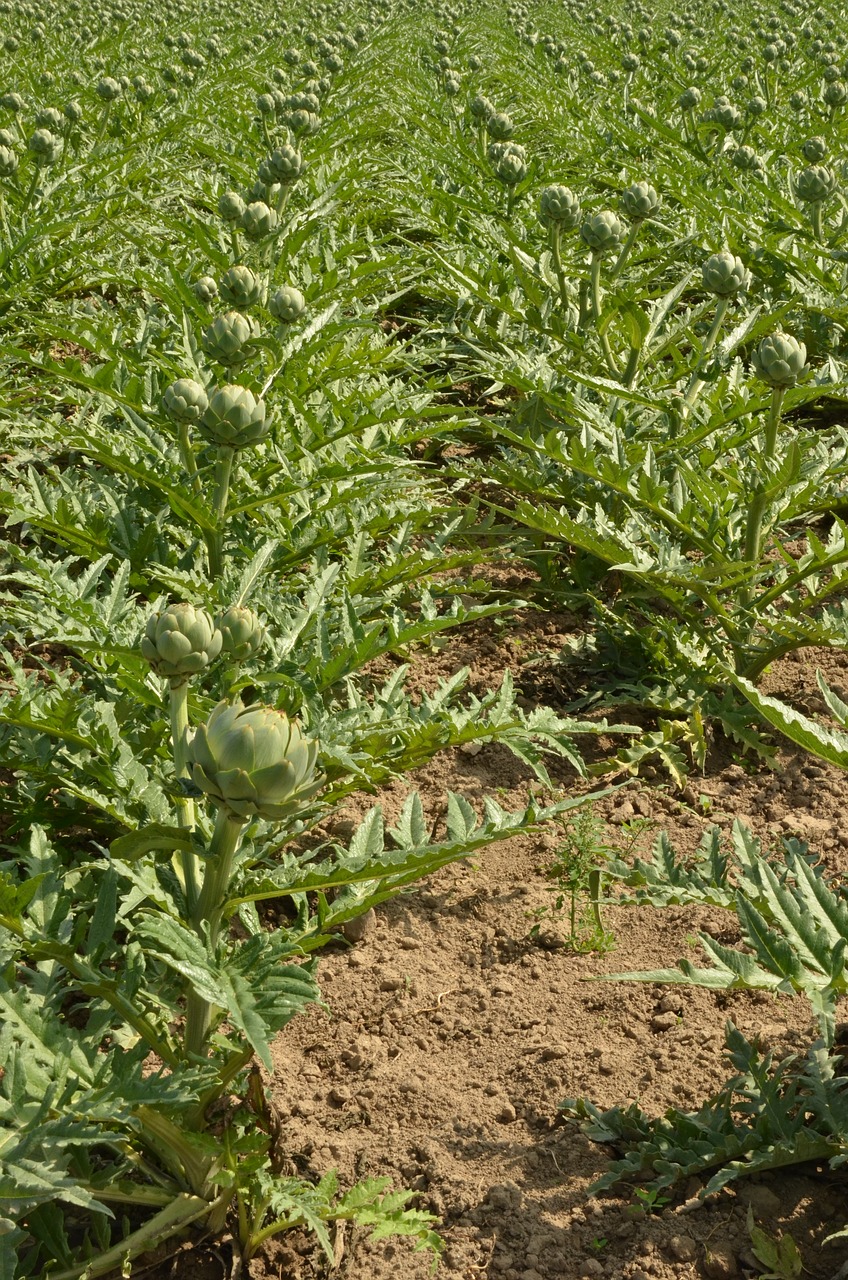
[(235, 418), (816, 183), (512, 167), (558, 204), (779, 360), (8, 162), (815, 149), (481, 108), (185, 401), (231, 206), (180, 641), (45, 147), (205, 289), (108, 89), (285, 164), (258, 220), (287, 304), (241, 288), (724, 274), (228, 337), (639, 201), (602, 232), (500, 127), (242, 631), (253, 762)]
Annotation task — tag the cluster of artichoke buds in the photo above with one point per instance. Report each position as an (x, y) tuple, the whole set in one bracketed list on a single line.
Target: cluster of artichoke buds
[(253, 762), (725, 275), (559, 205), (780, 360), (602, 232)]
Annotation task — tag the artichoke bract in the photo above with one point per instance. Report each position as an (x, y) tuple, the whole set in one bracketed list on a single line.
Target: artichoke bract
[(253, 762), (185, 401), (724, 274), (226, 338), (242, 631), (603, 232), (560, 205), (241, 288), (816, 183), (639, 201), (779, 360), (287, 304), (180, 641), (235, 418)]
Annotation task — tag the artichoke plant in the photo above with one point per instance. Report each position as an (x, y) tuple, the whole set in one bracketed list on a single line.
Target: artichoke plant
[(185, 401), (602, 232), (724, 274), (234, 418), (241, 288), (287, 304), (180, 641), (639, 201), (815, 183), (253, 762), (779, 360), (226, 339), (242, 631), (558, 204)]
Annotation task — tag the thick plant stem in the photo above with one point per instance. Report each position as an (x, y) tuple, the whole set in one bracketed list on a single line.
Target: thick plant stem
[(223, 472), (697, 382), (757, 508), (625, 250), (556, 254), (188, 459), (208, 911), (28, 198), (595, 286), (178, 702)]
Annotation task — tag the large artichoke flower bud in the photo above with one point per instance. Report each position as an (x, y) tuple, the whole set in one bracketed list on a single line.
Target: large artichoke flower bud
[(241, 288), (185, 401), (602, 232), (8, 162), (242, 631), (231, 206), (724, 274), (481, 108), (287, 304), (50, 118), (13, 102), (226, 338), (500, 127), (816, 183), (815, 149), (235, 418), (45, 147), (253, 762), (512, 167), (180, 641), (108, 89), (639, 201), (258, 220), (689, 99), (779, 360), (558, 204), (286, 164)]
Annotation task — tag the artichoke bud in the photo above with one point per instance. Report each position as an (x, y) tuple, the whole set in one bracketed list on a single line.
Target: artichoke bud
[(639, 201), (779, 360), (13, 102), (558, 204), (724, 274), (815, 150), (602, 232), (108, 89), (242, 631), (689, 99), (500, 127), (258, 220), (8, 162), (234, 418), (241, 288), (72, 111), (231, 206), (227, 338), (265, 104), (815, 183), (286, 164), (481, 108), (45, 147), (254, 762), (185, 401), (287, 304), (50, 118), (512, 167), (205, 289), (180, 641)]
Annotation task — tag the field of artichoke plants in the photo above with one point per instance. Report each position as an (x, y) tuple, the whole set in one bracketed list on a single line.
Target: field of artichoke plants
[(424, 700)]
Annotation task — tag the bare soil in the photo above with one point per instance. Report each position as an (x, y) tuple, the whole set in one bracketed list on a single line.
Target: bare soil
[(449, 1036)]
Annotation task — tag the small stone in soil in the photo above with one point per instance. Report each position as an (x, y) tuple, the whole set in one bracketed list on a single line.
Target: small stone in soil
[(663, 1021), (683, 1248), (720, 1264), (507, 1113)]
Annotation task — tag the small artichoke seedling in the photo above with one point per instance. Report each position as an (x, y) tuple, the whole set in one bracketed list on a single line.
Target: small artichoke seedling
[(241, 288), (234, 418), (253, 762), (243, 632), (180, 641), (226, 339), (287, 304), (779, 360), (185, 401)]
